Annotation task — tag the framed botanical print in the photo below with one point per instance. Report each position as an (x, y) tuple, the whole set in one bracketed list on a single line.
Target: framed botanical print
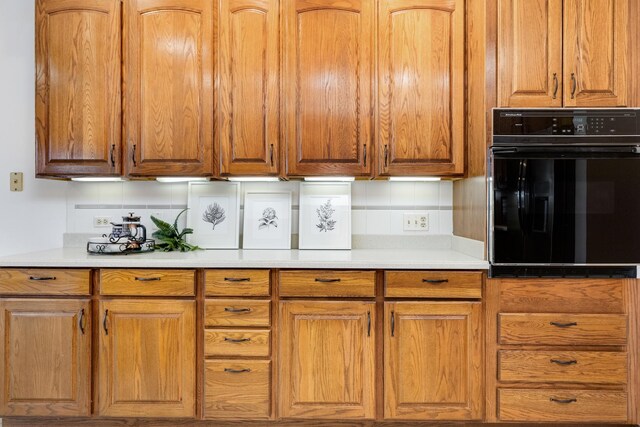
[(267, 220), (214, 214), (325, 215)]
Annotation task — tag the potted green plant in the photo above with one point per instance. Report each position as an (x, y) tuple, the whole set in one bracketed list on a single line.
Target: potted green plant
[(169, 238)]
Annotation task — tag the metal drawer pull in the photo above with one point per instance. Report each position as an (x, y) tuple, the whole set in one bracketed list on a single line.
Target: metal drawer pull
[(236, 371), (111, 155), (104, 322), (321, 280), (368, 323), (393, 323), (563, 325), (81, 321), (237, 340), (148, 279), (386, 155), (564, 362), (572, 400), (237, 279), (365, 155), (271, 153), (574, 85), (237, 310), (42, 278), (435, 281)]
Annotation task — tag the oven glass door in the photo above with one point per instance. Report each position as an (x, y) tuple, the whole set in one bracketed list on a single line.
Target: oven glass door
[(565, 208)]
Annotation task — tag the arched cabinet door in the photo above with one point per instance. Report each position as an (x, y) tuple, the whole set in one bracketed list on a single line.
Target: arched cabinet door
[(168, 76), (327, 81), (248, 101), (596, 56), (530, 53), (78, 101), (421, 87)]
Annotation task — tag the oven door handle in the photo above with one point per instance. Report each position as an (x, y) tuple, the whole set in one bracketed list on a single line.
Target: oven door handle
[(522, 209), (560, 150)]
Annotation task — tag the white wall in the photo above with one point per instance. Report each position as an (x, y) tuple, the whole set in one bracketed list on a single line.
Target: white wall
[(34, 218)]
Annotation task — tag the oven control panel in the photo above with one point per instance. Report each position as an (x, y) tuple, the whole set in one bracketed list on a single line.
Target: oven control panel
[(566, 122)]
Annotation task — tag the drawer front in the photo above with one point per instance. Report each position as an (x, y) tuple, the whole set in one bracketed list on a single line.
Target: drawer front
[(237, 283), (598, 367), (561, 295), (237, 312), (562, 329), (562, 405), (433, 284), (327, 283), (238, 389), (139, 282), (237, 343), (40, 281)]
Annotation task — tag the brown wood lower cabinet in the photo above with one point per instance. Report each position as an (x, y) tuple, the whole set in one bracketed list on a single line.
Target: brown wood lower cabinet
[(587, 406), (46, 346), (327, 358), (433, 360), (562, 350), (146, 358), (237, 389)]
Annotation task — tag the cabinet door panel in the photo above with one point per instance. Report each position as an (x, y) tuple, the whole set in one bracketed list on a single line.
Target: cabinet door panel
[(169, 79), (327, 365), (596, 59), (249, 109), (147, 358), (433, 361), (47, 355), (78, 87), (530, 53), (421, 91), (328, 78)]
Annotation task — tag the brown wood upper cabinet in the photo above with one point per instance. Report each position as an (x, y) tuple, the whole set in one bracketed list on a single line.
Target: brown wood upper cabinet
[(554, 53), (78, 87), (248, 102), (327, 86), (168, 77), (421, 87)]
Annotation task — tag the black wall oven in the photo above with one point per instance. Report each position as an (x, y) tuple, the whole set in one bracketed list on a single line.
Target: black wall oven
[(564, 195)]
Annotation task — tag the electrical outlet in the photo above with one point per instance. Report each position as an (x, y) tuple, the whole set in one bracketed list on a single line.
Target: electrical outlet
[(415, 222), (101, 221)]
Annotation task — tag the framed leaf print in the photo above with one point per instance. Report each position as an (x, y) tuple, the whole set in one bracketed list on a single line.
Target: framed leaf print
[(325, 215), (214, 214), (267, 220)]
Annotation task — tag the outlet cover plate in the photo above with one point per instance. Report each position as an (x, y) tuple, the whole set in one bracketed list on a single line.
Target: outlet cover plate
[(415, 222), (16, 181)]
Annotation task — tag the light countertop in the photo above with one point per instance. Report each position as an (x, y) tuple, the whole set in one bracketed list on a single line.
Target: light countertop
[(436, 259)]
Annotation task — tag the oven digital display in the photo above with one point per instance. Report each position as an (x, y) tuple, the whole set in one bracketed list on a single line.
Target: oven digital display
[(562, 123)]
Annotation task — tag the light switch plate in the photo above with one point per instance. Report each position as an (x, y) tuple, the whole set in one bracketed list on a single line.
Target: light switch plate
[(16, 181)]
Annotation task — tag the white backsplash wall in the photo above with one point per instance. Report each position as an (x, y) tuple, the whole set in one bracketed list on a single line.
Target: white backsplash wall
[(377, 206)]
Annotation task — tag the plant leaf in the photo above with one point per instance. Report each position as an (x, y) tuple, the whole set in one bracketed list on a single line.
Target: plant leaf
[(175, 223), (162, 225)]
